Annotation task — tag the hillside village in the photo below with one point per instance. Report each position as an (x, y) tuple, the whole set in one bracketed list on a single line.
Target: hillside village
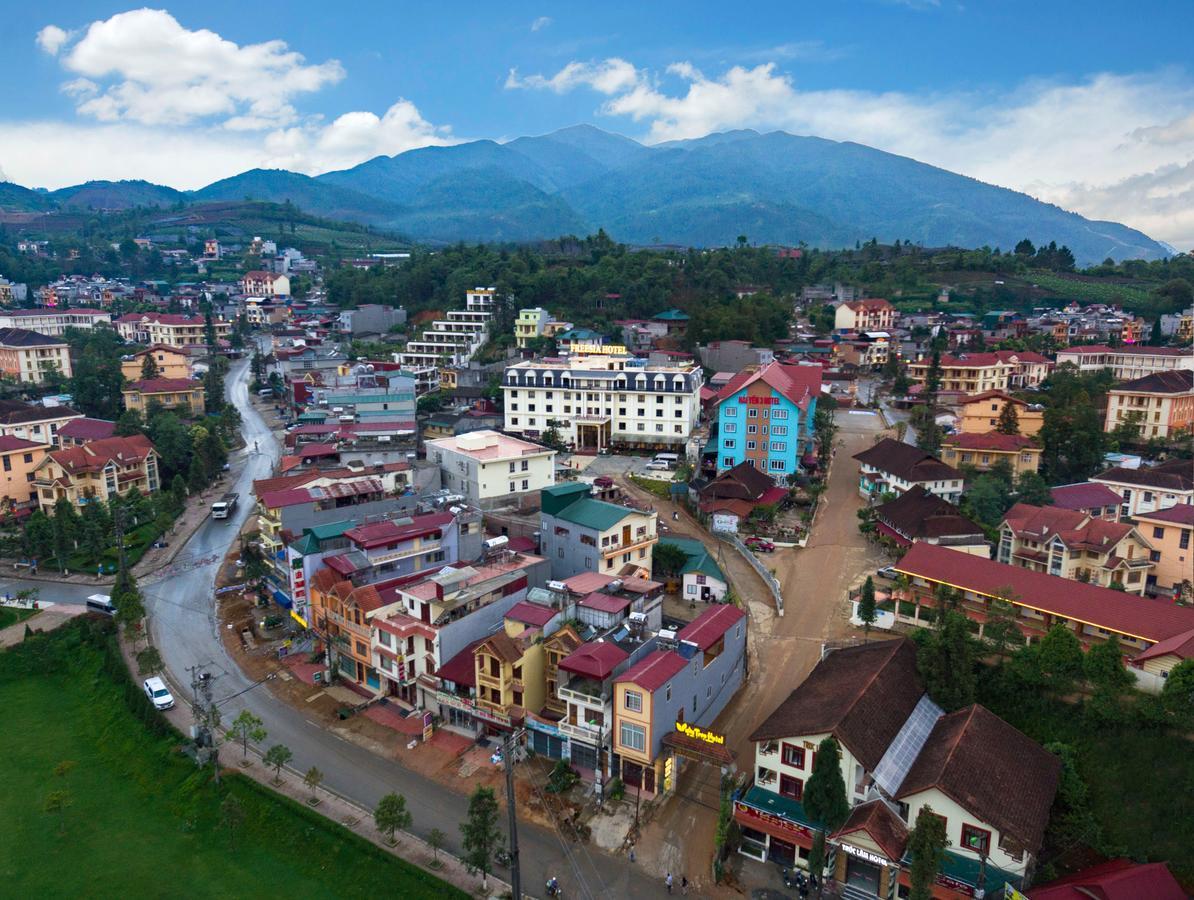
[(695, 584)]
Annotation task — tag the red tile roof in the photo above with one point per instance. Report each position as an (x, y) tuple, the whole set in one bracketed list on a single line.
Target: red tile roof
[(707, 628), (1084, 495), (1117, 879), (1134, 351), (86, 429), (992, 395), (94, 456), (1128, 614), (461, 668), (531, 613), (1182, 514), (654, 671), (883, 826), (594, 660), (1075, 528), (9, 444), (163, 385), (381, 534), (991, 440), (606, 603), (798, 384), (1180, 645)]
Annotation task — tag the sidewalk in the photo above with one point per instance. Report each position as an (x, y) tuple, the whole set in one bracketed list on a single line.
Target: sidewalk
[(50, 617)]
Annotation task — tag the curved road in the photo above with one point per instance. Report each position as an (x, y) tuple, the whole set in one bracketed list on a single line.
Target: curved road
[(183, 624)]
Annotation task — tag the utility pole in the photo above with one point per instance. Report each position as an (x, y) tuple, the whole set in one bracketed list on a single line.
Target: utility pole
[(118, 526), (508, 758), (207, 718)]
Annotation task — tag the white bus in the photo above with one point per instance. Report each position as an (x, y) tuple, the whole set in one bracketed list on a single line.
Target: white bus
[(670, 459)]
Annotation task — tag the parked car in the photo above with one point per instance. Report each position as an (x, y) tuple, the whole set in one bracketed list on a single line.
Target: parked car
[(759, 545), (157, 692), (889, 572)]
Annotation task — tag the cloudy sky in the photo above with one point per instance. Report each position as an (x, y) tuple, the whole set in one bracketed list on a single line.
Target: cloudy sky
[(1089, 105)]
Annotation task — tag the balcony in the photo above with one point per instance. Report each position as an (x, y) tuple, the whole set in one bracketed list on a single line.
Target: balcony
[(590, 734), (635, 543), (393, 555)]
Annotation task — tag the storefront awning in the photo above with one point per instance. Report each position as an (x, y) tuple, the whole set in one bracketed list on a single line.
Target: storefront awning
[(695, 748)]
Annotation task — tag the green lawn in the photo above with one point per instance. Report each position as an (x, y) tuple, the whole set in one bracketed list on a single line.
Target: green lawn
[(142, 821), (11, 616), (661, 489)]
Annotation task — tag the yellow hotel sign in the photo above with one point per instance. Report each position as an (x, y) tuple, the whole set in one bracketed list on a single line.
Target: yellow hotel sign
[(700, 734), (598, 349)]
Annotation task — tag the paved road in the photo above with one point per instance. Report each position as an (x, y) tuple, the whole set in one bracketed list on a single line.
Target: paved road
[(184, 628)]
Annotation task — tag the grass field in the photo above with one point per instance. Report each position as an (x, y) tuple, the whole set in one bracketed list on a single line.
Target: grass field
[(11, 616), (142, 822)]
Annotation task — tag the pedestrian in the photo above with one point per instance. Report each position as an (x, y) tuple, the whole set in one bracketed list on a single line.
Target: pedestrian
[(632, 854), (684, 885), (675, 516), (668, 882)]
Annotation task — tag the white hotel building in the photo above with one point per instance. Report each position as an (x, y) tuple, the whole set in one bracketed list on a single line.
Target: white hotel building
[(451, 341), (603, 397)]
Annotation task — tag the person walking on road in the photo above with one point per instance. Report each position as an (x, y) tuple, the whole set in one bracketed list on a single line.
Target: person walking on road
[(684, 885), (668, 882)]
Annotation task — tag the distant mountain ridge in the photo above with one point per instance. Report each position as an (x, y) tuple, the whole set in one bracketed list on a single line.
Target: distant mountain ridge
[(774, 188)]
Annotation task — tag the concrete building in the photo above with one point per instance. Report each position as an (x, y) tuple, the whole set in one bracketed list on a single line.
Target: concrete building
[(603, 400), (34, 422), (1150, 488), (978, 373), (893, 467), (1160, 404), (80, 431), (454, 340), (864, 315), (900, 754), (19, 459), (766, 416), (182, 395), (371, 318), (54, 322), (664, 703), (171, 362), (1169, 533), (580, 534), (28, 357), (734, 356), (1127, 363), (97, 471), (1073, 545), (918, 515), (490, 469), (983, 451), (168, 329), (980, 413), (700, 576), (536, 322), (259, 283)]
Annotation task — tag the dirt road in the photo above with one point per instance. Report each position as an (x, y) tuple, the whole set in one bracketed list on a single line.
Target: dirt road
[(782, 652)]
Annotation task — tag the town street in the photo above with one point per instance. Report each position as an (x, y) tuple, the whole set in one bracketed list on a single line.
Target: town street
[(183, 625)]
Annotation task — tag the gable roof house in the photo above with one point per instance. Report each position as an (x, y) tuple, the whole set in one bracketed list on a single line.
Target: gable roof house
[(919, 515), (900, 753), (892, 466), (582, 534), (97, 471)]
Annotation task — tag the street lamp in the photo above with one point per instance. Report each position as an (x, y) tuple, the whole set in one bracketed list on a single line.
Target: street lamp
[(978, 845)]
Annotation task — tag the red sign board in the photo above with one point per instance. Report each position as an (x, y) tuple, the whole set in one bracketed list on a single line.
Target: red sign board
[(758, 401), (772, 824)]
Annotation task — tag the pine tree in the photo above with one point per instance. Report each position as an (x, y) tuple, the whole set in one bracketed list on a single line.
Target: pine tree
[(926, 846), (824, 796), (1009, 419), (149, 367), (866, 606)]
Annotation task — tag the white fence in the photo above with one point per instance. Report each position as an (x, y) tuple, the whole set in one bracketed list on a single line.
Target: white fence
[(763, 571)]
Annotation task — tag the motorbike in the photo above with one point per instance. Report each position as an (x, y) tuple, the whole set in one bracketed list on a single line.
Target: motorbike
[(553, 889)]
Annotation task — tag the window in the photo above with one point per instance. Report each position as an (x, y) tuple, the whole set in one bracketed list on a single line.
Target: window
[(779, 446), (1184, 541), (750, 445), (793, 756), (776, 465), (752, 413), (728, 462), (634, 701), (731, 411), (752, 429), (791, 787), (1158, 532), (730, 427), (976, 839), (730, 443), (633, 737)]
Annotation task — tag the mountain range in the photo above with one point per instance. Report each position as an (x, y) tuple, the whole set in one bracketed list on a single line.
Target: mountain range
[(775, 188)]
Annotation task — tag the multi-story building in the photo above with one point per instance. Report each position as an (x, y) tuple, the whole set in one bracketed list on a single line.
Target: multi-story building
[(766, 416), (1150, 488), (978, 373), (34, 422), (1096, 500), (536, 322), (363, 395), (54, 322), (983, 451), (29, 357), (82, 430), (259, 283), (901, 756), (19, 459), (170, 361), (1127, 363), (454, 340), (734, 356), (395, 548), (1073, 545), (597, 401), (892, 467), (864, 315), (1169, 533), (97, 471), (1160, 404), (370, 318), (917, 515), (667, 700), (168, 329), (980, 413), (1038, 601), (491, 469), (184, 395), (579, 533)]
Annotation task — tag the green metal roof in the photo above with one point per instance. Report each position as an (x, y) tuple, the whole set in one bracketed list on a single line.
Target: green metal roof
[(672, 315), (779, 805), (965, 869), (318, 417), (595, 514), (699, 560), (358, 399), (329, 530)]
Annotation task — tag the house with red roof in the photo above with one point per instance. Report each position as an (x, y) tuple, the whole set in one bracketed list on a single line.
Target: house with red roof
[(181, 395), (84, 430), (1071, 544), (1116, 879), (980, 413), (665, 704), (1170, 532), (19, 459), (168, 329), (259, 283), (97, 471), (1096, 500), (765, 417), (978, 373), (1039, 600), (872, 314), (983, 451)]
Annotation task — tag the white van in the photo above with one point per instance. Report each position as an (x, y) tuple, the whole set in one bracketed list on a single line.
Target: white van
[(101, 603), (656, 465), (670, 458)]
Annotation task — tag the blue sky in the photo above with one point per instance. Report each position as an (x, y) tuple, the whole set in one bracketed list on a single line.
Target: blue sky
[(1090, 105)]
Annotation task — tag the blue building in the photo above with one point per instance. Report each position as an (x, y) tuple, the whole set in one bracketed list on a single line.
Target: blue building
[(765, 415)]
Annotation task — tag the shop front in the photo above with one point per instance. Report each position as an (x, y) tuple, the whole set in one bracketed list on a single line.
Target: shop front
[(774, 828)]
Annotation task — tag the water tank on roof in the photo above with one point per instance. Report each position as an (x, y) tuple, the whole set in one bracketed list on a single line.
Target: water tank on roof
[(496, 543), (557, 586)]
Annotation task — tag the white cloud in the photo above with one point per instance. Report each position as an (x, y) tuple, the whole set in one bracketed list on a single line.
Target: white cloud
[(149, 69), (611, 76), (51, 38), (1108, 146), (540, 23)]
